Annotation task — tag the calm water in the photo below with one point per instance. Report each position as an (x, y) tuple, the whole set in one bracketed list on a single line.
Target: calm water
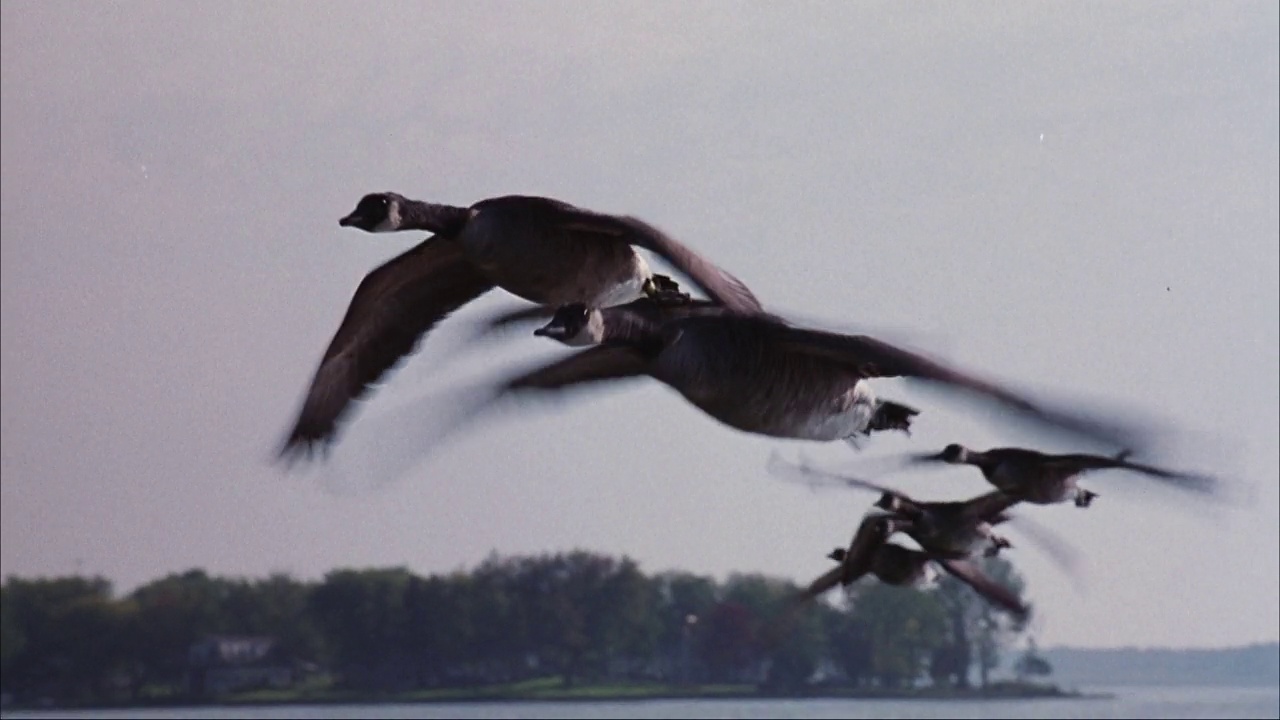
[(1151, 702)]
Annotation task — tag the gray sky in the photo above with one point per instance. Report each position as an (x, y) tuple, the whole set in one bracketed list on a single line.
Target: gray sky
[(1077, 197)]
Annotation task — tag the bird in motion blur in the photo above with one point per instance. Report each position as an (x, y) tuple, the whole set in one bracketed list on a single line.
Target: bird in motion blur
[(949, 529), (954, 529), (870, 551), (760, 374), (540, 249), (1046, 479)]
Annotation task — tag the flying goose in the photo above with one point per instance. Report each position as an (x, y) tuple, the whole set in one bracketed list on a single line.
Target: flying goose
[(871, 552), (543, 250), (1045, 479), (955, 529), (758, 374)]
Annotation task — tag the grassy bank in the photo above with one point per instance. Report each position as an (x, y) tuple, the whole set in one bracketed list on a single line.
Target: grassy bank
[(553, 689)]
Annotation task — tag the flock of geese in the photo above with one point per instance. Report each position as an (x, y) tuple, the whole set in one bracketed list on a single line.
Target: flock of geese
[(746, 367)]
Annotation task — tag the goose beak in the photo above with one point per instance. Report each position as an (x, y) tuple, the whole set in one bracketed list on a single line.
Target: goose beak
[(348, 220), (555, 332)]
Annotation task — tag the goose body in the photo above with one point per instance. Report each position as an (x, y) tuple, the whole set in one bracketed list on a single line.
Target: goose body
[(550, 252), (1046, 479), (870, 552), (955, 529), (733, 367), (756, 372), (540, 249)]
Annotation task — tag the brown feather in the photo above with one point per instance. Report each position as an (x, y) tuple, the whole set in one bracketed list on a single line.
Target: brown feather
[(394, 306)]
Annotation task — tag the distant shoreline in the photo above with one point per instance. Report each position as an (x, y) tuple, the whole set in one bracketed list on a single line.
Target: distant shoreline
[(590, 693)]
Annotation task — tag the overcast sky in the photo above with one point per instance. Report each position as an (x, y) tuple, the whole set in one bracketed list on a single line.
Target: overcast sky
[(1076, 197)]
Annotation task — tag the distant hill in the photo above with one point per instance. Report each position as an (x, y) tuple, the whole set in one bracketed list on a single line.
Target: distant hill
[(1239, 666)]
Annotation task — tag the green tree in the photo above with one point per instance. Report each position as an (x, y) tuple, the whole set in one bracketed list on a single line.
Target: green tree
[(363, 614), (905, 627), (977, 629), (12, 638), (502, 635), (1032, 663), (68, 634), (852, 646), (684, 601), (173, 613), (275, 606), (441, 627), (791, 652), (726, 641)]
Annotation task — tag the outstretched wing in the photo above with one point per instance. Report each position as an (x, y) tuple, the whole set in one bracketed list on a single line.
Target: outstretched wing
[(719, 284), (857, 561), (872, 358), (813, 477), (394, 306), (595, 364), (1074, 463), (990, 506), (968, 571), (1058, 549)]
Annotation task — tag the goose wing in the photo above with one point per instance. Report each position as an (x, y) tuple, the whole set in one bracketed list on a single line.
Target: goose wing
[(394, 306), (806, 473), (871, 358), (653, 311), (857, 561), (1074, 463), (968, 571), (595, 364), (719, 284), (989, 507)]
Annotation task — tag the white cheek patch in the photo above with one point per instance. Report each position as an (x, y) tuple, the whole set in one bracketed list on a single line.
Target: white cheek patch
[(930, 574), (392, 221)]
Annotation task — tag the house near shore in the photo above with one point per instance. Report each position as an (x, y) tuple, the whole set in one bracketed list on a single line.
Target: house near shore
[(221, 664)]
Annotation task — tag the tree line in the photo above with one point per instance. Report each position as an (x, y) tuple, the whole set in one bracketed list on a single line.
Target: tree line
[(580, 616)]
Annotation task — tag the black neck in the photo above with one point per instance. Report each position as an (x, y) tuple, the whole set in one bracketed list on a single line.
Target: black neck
[(443, 219), (626, 328)]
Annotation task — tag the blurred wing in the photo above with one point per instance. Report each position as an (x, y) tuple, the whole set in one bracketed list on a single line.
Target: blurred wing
[(507, 320), (989, 506), (717, 283), (1054, 546), (394, 306), (595, 364), (1084, 462), (967, 571), (823, 583), (873, 358), (775, 630), (813, 477)]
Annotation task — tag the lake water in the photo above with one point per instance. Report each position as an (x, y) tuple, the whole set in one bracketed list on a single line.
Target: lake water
[(1129, 702)]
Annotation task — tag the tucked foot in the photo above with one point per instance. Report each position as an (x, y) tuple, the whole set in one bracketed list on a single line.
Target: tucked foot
[(662, 286), (1084, 498), (892, 416), (997, 544)]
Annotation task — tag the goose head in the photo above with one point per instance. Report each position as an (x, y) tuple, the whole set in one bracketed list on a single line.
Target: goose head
[(955, 454), (575, 325), (377, 212), (887, 525), (890, 502)]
